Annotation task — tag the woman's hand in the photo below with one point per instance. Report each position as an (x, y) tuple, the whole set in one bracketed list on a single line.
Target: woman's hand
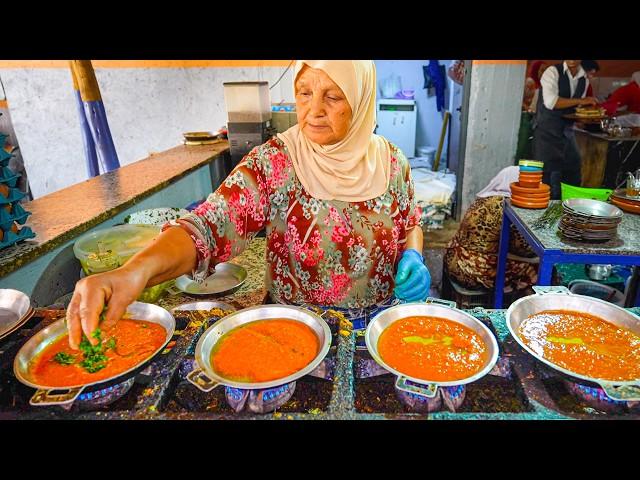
[(412, 279), (117, 288), (172, 254)]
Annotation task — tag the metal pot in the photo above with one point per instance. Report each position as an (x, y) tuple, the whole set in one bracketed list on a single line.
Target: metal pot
[(206, 379), (599, 272), (430, 308), (559, 298), (45, 395)]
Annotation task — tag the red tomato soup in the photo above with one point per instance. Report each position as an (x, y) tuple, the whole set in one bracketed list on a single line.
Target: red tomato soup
[(584, 344), (125, 345), (432, 348), (264, 350)]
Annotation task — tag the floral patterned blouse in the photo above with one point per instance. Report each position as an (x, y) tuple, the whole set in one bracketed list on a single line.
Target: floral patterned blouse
[(331, 253)]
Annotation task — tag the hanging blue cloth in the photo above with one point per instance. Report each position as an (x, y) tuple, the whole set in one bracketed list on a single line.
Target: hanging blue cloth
[(435, 77)]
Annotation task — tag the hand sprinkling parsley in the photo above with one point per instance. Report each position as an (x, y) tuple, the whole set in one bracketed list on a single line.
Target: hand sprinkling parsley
[(94, 357)]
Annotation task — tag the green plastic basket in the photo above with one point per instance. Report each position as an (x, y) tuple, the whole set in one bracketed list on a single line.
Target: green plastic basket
[(569, 191)]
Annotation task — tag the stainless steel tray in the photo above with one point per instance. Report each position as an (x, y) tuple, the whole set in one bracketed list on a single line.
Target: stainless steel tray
[(430, 308), (206, 379), (591, 208), (52, 395), (561, 299)]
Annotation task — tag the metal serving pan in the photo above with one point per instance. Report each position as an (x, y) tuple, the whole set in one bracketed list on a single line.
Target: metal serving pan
[(559, 298), (206, 379), (15, 311), (432, 308), (226, 279), (592, 208), (45, 393)]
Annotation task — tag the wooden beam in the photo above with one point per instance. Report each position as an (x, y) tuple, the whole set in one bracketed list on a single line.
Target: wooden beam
[(91, 157), (445, 123), (86, 80), (95, 113)]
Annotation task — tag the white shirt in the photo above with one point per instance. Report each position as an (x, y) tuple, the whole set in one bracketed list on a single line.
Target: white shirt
[(549, 82)]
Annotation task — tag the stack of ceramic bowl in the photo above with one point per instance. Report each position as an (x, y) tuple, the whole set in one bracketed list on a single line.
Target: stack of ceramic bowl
[(621, 199), (12, 215), (529, 191), (589, 220)]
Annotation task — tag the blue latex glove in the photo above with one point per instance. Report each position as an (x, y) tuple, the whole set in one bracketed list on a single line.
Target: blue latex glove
[(412, 279)]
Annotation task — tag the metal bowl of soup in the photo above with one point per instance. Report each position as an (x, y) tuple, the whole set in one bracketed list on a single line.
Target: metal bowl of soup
[(554, 298), (46, 395), (206, 378), (433, 308)]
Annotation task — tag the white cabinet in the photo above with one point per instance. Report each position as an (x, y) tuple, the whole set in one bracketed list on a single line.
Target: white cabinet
[(397, 123)]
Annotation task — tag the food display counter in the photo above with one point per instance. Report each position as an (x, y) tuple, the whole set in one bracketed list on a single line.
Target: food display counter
[(348, 384)]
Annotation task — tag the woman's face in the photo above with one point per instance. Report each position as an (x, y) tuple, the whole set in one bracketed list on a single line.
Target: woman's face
[(324, 114)]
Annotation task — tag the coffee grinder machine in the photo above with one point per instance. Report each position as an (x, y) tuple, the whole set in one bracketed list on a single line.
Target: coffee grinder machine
[(248, 117)]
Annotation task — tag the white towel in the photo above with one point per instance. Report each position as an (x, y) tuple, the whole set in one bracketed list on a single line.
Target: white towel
[(501, 183)]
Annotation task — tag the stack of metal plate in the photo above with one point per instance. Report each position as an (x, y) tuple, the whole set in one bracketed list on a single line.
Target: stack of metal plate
[(589, 220), (15, 311)]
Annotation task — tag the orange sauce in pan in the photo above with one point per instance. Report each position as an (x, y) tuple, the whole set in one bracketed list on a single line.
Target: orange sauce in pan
[(432, 348), (135, 341), (264, 350), (584, 344)]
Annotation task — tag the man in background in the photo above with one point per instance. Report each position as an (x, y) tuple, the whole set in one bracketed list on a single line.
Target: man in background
[(563, 88)]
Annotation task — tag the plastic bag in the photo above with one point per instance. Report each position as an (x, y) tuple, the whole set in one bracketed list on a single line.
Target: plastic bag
[(390, 86)]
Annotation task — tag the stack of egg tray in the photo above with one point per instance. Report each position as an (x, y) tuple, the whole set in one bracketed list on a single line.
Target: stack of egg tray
[(12, 215)]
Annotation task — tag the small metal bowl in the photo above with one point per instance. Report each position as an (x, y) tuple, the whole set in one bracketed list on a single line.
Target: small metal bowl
[(227, 278)]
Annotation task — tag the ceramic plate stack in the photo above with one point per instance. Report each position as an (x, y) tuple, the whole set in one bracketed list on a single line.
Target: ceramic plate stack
[(529, 192), (629, 204), (589, 220)]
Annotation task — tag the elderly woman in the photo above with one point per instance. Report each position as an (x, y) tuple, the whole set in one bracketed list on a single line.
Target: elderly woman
[(336, 201)]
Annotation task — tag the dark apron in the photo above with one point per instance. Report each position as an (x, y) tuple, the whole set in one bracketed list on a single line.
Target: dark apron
[(554, 141)]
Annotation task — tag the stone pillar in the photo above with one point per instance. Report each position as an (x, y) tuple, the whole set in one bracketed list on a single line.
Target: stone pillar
[(495, 105)]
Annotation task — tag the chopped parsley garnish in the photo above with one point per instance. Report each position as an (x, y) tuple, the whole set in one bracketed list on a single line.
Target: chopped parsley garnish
[(64, 358), (94, 357)]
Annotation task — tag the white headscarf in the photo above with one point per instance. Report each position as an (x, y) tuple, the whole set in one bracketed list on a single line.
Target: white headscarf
[(636, 77), (501, 183), (357, 168)]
